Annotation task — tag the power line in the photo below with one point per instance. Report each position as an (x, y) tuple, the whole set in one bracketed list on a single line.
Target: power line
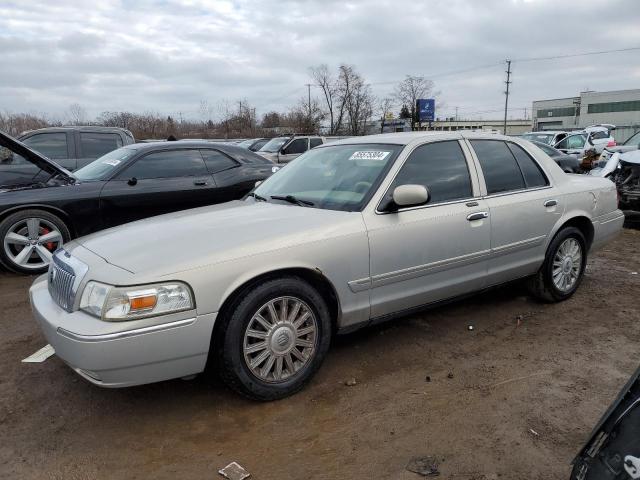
[(570, 55)]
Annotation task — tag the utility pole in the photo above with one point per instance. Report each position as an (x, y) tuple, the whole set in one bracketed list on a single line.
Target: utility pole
[(506, 97), (456, 114)]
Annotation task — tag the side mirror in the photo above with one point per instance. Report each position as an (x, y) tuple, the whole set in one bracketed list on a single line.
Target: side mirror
[(410, 195), (406, 196)]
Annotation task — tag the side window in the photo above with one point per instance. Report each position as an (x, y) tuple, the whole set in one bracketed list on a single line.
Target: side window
[(501, 172), (562, 143), (217, 161), (441, 167), (599, 135), (51, 145), (533, 175), (314, 142), (299, 145), (575, 141), (94, 145), (166, 164)]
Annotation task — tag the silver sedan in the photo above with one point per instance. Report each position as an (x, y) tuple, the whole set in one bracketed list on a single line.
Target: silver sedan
[(349, 234)]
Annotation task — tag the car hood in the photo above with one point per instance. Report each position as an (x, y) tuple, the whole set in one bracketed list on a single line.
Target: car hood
[(34, 157), (621, 148), (631, 157), (208, 235)]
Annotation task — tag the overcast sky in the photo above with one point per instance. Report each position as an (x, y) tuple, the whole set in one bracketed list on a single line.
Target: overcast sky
[(168, 56)]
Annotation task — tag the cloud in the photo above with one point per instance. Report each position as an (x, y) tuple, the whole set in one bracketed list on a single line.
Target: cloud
[(167, 56)]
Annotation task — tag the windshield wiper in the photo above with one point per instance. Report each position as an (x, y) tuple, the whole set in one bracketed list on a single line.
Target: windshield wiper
[(294, 200), (259, 198)]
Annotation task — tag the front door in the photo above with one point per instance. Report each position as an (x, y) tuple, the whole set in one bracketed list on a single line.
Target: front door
[(157, 183), (436, 251), (293, 149)]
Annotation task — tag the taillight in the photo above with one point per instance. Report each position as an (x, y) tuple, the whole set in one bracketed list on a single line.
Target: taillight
[(612, 143)]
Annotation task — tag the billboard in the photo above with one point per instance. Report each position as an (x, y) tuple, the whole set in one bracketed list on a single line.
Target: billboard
[(426, 108)]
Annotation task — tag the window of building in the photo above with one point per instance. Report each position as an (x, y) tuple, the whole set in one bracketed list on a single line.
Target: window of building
[(557, 112), (607, 107)]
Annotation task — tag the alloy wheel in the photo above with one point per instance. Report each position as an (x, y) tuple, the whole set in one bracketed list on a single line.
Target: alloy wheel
[(280, 339), (30, 242), (567, 265)]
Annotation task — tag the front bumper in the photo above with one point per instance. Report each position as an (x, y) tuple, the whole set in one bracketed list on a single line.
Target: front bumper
[(121, 354)]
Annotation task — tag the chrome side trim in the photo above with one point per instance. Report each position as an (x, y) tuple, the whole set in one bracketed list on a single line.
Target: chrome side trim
[(434, 267), (127, 333), (515, 246)]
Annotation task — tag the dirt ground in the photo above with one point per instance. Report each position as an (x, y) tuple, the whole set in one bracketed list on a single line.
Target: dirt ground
[(525, 367)]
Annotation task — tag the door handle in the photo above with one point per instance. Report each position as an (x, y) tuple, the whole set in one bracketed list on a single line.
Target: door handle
[(200, 183), (477, 216), (550, 203)]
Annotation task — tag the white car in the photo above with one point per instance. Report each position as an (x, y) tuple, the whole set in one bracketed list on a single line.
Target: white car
[(545, 136), (596, 138)]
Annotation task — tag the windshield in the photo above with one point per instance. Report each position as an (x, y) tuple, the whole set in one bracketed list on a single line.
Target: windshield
[(539, 137), (274, 145), (633, 140), (246, 143), (102, 167), (335, 177)]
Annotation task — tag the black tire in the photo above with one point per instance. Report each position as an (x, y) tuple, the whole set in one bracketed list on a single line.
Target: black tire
[(228, 346), (541, 285), (11, 220)]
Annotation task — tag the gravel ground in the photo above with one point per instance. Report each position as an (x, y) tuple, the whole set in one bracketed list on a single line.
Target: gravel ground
[(525, 367)]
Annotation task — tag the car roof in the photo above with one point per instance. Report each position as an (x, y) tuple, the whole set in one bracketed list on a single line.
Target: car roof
[(545, 132), (405, 138), (83, 128), (234, 151)]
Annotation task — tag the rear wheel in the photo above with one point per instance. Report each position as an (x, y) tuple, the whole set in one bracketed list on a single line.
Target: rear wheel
[(274, 340), (29, 239), (563, 267)]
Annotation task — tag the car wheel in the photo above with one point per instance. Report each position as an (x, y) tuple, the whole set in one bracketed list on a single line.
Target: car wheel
[(274, 339), (29, 238), (563, 267)]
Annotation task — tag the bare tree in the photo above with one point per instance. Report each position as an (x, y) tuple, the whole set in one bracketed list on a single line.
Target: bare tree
[(356, 97), (77, 114), (411, 89), (329, 86)]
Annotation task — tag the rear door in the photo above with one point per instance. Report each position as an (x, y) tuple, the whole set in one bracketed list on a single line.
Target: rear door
[(156, 183), (92, 145), (523, 206)]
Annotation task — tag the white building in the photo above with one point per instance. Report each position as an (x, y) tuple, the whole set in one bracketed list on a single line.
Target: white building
[(620, 108)]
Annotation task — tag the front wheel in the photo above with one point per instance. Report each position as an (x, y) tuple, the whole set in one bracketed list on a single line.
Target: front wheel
[(29, 239), (275, 339), (563, 267)]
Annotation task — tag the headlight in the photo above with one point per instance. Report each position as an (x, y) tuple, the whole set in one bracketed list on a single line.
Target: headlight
[(130, 303)]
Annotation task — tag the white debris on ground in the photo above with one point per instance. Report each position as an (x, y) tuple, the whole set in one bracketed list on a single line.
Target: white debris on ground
[(234, 471), (41, 355)]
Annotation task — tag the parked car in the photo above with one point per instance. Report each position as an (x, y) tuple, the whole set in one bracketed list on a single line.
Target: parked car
[(351, 233), (594, 138), (285, 149), (623, 169), (127, 184), (632, 143), (253, 144), (568, 163), (613, 450), (545, 136), (69, 147)]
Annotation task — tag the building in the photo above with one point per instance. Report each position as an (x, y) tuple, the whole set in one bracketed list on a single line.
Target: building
[(620, 108), (514, 127)]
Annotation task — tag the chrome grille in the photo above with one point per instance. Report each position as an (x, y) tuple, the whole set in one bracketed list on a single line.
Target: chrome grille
[(65, 274)]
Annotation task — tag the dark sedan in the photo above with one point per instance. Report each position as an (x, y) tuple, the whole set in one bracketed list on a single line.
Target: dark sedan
[(568, 163), (127, 184)]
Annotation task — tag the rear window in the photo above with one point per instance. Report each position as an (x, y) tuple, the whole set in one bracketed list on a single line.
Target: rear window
[(94, 145), (499, 166)]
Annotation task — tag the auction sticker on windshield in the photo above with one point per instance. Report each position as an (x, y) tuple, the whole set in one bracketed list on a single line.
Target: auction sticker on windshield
[(111, 161), (369, 155)]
